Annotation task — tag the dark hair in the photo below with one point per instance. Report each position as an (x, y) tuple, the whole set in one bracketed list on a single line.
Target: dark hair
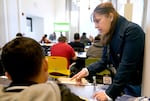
[(22, 58), (105, 9), (45, 35), (83, 33), (62, 39), (19, 34), (76, 36)]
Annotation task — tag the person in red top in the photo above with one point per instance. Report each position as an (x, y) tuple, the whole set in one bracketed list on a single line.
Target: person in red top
[(62, 48)]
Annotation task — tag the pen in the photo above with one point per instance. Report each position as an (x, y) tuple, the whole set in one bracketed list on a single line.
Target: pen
[(94, 83)]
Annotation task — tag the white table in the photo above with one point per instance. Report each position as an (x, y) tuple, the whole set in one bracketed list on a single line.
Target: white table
[(47, 44), (86, 91), (46, 48)]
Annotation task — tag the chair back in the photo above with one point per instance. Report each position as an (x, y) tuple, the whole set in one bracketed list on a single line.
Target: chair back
[(100, 75), (88, 61), (57, 66)]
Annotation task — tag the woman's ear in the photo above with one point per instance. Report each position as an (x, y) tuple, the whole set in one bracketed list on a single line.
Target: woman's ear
[(111, 16)]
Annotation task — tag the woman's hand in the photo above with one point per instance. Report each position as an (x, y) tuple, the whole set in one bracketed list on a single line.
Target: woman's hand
[(100, 96), (78, 77)]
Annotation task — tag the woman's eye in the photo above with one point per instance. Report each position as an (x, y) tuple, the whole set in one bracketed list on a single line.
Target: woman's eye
[(97, 21)]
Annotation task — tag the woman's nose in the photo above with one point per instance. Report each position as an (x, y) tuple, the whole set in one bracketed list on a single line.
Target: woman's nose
[(96, 25)]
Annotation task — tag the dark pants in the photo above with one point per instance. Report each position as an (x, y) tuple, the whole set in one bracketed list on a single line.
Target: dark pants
[(2, 72), (80, 63)]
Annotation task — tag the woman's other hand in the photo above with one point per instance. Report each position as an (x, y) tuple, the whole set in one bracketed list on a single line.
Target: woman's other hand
[(78, 77)]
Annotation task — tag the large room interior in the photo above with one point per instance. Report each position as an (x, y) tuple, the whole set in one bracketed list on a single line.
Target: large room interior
[(34, 18)]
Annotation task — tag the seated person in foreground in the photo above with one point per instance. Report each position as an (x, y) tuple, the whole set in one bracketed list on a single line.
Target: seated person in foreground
[(62, 48), (27, 68), (96, 49), (76, 44)]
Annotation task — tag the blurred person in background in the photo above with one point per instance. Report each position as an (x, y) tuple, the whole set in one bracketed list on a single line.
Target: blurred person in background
[(19, 35), (96, 49), (45, 39), (86, 41), (62, 48), (76, 44), (78, 47), (52, 36)]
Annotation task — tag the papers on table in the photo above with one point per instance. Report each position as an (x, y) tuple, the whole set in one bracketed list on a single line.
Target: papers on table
[(64, 80), (81, 54), (47, 44)]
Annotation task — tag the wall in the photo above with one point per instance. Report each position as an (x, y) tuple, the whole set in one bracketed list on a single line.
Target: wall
[(9, 23), (37, 28), (146, 71), (49, 10), (14, 12), (60, 11), (36, 9), (13, 15), (86, 25), (2, 25)]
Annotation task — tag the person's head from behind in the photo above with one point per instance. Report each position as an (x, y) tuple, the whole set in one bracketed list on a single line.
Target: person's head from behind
[(76, 36), (97, 38), (45, 35), (62, 39), (19, 35), (54, 33), (104, 17), (84, 34), (23, 60)]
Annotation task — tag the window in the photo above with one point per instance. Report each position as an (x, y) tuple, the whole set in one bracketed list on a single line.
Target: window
[(29, 24)]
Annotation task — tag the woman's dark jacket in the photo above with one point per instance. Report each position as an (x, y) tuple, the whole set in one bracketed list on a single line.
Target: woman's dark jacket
[(125, 52)]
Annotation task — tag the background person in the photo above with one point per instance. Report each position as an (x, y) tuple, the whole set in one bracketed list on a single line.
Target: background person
[(19, 35), (125, 44), (85, 40), (62, 48), (52, 36), (76, 44), (78, 47), (45, 39), (96, 49)]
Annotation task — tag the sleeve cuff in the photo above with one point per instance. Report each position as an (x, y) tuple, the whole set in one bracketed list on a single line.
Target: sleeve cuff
[(86, 70), (109, 99)]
